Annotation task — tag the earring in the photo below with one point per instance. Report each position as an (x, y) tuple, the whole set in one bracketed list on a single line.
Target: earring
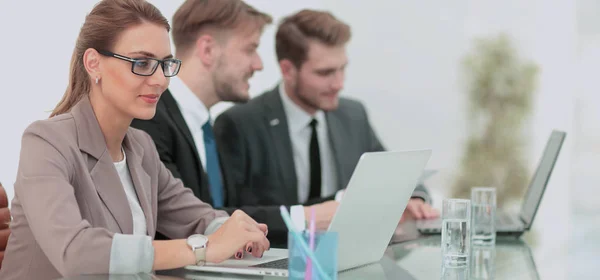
[(96, 80)]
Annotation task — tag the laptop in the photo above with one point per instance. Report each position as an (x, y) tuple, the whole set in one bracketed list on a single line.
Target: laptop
[(375, 198), (513, 224)]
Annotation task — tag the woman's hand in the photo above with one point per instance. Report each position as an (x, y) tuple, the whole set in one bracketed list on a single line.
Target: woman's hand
[(239, 233)]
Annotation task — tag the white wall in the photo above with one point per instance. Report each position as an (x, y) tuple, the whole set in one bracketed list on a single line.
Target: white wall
[(586, 156), (36, 47)]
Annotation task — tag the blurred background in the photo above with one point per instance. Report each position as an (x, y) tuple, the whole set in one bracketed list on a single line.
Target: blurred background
[(422, 69)]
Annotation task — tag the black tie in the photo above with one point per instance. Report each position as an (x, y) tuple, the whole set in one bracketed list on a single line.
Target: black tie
[(315, 163)]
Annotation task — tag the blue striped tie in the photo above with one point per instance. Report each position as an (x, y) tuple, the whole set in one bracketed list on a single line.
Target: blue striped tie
[(213, 168)]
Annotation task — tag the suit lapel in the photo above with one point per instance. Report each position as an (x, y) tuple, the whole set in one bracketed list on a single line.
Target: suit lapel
[(336, 138), (280, 136), (141, 179), (103, 173), (175, 114), (177, 117)]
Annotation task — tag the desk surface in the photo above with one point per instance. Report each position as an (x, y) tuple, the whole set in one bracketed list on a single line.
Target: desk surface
[(410, 257)]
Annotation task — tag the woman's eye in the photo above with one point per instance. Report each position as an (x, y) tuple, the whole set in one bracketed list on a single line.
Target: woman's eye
[(142, 64)]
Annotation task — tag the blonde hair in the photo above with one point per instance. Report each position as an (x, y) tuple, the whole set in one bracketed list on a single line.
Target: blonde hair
[(197, 16)]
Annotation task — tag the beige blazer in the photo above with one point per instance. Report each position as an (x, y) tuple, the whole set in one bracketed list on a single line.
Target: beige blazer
[(69, 200)]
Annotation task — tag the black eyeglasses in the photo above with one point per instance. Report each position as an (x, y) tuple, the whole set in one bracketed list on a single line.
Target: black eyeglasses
[(147, 66)]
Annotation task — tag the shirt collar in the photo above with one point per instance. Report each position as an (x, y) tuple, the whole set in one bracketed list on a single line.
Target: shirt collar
[(189, 104), (297, 118)]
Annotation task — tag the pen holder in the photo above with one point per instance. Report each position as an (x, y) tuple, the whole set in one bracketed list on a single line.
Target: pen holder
[(325, 250)]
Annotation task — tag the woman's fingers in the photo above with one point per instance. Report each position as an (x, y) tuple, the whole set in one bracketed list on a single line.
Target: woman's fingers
[(257, 249), (264, 228), (261, 241), (239, 254)]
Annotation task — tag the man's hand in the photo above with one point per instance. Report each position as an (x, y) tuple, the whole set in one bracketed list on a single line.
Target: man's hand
[(324, 213), (417, 209)]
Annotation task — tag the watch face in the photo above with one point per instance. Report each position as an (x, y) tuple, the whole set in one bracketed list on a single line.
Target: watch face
[(197, 240)]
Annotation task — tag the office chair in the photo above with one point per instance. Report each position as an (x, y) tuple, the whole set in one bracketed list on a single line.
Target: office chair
[(4, 220)]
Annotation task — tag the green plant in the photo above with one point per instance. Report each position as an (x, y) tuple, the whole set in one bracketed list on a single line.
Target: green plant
[(500, 94)]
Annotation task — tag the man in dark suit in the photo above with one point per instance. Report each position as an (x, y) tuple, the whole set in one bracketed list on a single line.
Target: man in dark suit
[(299, 143), (216, 41)]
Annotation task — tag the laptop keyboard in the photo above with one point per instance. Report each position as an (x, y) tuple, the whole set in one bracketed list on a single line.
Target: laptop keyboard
[(278, 264)]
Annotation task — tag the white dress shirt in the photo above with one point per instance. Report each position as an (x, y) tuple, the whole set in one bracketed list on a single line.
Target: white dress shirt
[(139, 219), (194, 113), (300, 133)]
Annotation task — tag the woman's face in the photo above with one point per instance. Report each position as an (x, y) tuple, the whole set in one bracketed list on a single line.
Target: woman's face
[(133, 95)]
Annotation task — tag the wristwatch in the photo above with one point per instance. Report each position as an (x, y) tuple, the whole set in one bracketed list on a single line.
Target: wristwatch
[(197, 243)]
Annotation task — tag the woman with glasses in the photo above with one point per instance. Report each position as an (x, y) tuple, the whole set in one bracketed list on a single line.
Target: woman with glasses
[(91, 191)]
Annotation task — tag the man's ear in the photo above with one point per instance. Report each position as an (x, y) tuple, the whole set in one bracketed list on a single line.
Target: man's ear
[(91, 62), (208, 49), (289, 72)]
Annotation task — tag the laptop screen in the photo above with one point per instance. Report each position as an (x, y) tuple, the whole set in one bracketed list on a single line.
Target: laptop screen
[(541, 177)]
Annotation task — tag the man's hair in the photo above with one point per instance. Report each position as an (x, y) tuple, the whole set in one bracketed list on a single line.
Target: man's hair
[(196, 17), (295, 32)]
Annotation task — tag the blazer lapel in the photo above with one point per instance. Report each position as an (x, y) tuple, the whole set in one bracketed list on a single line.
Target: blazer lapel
[(109, 187), (141, 179), (103, 173), (336, 138), (279, 132)]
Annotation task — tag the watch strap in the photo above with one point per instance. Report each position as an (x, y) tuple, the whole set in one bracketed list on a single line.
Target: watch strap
[(200, 256)]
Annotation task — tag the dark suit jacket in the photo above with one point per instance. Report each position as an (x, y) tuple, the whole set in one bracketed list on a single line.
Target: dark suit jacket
[(256, 151), (178, 152), (176, 146)]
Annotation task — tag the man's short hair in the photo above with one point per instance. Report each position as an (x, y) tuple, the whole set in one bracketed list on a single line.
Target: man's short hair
[(295, 32), (195, 17)]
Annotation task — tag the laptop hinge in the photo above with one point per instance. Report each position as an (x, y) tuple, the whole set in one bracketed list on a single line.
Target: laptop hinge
[(525, 226)]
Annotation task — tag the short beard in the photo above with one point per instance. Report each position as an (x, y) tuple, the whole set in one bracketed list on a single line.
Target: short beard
[(224, 87), (307, 102)]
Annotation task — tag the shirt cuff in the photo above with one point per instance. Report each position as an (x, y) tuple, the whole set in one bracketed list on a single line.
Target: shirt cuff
[(131, 254), (298, 218), (215, 225), (339, 194)]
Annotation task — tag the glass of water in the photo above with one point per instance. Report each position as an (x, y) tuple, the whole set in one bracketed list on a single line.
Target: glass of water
[(456, 233), (483, 215)]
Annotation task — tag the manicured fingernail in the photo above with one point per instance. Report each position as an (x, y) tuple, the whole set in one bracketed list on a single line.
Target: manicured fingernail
[(249, 249), (238, 255)]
